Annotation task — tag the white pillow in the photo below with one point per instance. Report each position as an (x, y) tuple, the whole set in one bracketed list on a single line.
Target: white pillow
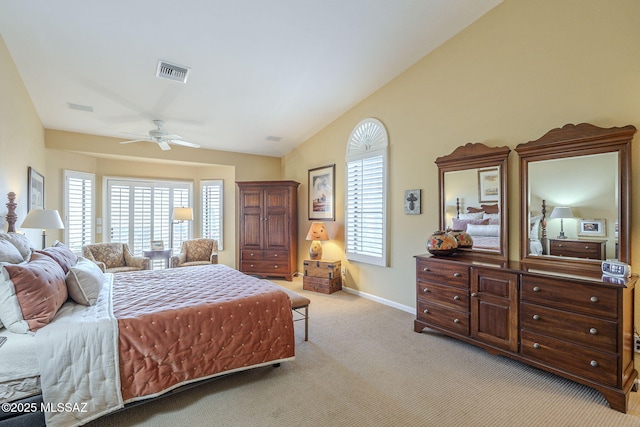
[(482, 230), (474, 215), (9, 253), (21, 242), (10, 313), (534, 226), (84, 282), (491, 216)]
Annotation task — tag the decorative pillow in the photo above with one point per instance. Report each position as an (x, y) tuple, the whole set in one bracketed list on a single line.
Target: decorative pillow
[(21, 242), (534, 226), (84, 282), (462, 224), (483, 230), (37, 290), (62, 255), (9, 253), (491, 216), (491, 209), (474, 215), (474, 210)]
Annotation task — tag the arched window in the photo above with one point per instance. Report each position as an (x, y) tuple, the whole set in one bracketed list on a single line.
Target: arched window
[(366, 193)]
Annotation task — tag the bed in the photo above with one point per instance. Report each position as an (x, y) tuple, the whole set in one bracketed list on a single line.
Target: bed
[(142, 334), (481, 223)]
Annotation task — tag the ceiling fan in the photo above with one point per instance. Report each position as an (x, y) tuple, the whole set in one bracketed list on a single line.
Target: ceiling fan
[(162, 138)]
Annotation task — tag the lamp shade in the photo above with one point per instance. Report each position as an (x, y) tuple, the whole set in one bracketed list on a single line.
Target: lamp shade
[(561, 212), (317, 231), (182, 214), (44, 219)]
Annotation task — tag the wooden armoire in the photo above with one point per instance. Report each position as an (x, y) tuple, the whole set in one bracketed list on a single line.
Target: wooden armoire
[(268, 228)]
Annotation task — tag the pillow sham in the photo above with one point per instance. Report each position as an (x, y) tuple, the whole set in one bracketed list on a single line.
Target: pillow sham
[(491, 209), (483, 230), (474, 215), (534, 227), (9, 253), (31, 293), (61, 254), (84, 282), (461, 224), (491, 216), (20, 241)]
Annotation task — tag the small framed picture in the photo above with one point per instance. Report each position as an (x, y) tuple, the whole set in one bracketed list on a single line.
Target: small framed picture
[(412, 202), (488, 185), (592, 227), (322, 183), (157, 245), (35, 196)]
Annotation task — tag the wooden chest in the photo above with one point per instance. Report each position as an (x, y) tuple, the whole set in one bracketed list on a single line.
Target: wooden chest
[(324, 269), (323, 285)]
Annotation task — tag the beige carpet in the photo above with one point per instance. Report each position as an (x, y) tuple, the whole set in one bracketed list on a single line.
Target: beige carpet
[(364, 366)]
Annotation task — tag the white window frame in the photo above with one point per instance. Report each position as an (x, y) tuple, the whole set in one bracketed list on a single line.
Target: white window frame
[(178, 228), (368, 141), (220, 217), (89, 227)]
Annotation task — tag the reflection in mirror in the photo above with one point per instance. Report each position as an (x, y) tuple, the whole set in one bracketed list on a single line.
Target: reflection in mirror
[(586, 170), (472, 204), (581, 206), (473, 192)]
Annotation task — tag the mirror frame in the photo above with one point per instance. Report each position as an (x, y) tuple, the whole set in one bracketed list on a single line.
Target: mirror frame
[(476, 156), (574, 141)]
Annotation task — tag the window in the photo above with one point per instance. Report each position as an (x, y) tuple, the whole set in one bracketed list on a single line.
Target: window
[(79, 206), (366, 193), (212, 196), (140, 211)]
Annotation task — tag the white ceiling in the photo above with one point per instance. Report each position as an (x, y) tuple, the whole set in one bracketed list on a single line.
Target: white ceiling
[(259, 68)]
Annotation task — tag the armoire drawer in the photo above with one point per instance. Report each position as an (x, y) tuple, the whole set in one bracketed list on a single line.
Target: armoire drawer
[(586, 330), (578, 360), (444, 317), (441, 272), (265, 266), (570, 296), (456, 298)]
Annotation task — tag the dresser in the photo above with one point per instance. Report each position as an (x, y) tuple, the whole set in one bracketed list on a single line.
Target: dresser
[(578, 327), (583, 248), (268, 228)]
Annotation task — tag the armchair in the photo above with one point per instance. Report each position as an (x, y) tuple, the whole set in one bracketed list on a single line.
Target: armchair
[(196, 252), (115, 257)]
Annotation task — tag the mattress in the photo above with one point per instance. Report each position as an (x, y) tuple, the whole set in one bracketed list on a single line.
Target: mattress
[(19, 372), (486, 242)]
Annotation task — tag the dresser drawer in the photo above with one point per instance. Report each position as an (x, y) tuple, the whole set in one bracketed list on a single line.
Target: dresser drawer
[(591, 249), (444, 317), (588, 331), (250, 255), (570, 296), (280, 256), (450, 296), (442, 272), (578, 360), (265, 267)]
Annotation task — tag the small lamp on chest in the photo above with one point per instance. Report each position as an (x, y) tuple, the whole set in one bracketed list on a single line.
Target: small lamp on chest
[(317, 233)]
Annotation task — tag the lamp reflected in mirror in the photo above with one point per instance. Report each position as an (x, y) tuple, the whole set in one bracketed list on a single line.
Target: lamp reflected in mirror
[(561, 212)]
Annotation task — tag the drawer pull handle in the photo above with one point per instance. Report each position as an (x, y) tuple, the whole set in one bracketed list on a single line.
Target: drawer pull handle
[(456, 274), (536, 289), (456, 320), (473, 294), (251, 255), (559, 245), (251, 265), (426, 269), (456, 298), (425, 311), (275, 266), (275, 255), (536, 317), (593, 331), (587, 247), (536, 345), (426, 290), (594, 299), (594, 363)]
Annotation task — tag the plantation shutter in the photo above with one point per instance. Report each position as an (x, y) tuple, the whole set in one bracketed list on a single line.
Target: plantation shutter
[(78, 209), (212, 193), (365, 194)]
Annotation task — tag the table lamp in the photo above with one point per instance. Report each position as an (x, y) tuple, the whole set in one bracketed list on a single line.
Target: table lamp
[(317, 233), (44, 219), (561, 212)]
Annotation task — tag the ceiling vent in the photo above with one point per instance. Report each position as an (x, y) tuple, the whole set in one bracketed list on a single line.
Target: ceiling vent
[(169, 71)]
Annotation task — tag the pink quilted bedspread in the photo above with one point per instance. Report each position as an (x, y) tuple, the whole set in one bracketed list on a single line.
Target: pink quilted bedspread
[(181, 324)]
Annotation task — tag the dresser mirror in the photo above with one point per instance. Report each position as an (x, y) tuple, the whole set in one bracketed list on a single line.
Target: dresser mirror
[(575, 197), (473, 196)]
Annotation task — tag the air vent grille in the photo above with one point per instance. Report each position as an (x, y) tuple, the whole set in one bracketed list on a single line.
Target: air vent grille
[(169, 71)]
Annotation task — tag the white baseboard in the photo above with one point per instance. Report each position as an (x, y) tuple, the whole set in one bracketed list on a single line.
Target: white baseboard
[(380, 300)]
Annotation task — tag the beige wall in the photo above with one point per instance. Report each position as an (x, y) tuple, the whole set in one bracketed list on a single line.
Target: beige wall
[(524, 68)]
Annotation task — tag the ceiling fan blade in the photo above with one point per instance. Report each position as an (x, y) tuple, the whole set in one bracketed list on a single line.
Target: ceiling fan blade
[(172, 136), (134, 140), (164, 145), (185, 143)]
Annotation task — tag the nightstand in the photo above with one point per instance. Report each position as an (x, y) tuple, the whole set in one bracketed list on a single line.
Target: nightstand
[(322, 276)]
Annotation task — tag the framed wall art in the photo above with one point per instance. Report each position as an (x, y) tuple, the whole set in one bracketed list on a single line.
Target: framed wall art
[(35, 190), (322, 199), (488, 185), (592, 227), (412, 202)]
